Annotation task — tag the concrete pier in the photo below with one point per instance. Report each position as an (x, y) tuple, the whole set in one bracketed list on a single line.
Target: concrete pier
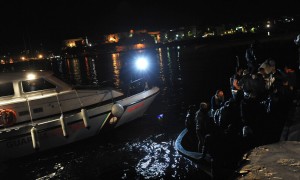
[(279, 160)]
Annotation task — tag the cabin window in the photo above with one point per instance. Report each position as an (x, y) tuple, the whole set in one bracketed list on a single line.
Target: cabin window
[(6, 89), (36, 85)]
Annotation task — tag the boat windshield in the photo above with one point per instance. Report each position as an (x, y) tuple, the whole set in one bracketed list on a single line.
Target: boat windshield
[(37, 85), (6, 89)]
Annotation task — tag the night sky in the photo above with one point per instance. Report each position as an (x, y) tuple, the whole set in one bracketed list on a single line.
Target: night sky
[(48, 22)]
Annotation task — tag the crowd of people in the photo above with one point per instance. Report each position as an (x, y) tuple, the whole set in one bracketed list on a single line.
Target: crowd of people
[(261, 101)]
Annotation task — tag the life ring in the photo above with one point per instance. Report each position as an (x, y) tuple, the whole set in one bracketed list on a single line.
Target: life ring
[(8, 117)]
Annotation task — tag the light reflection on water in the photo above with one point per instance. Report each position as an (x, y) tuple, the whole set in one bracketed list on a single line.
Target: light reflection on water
[(153, 157), (157, 158), (161, 160), (116, 67), (58, 168), (74, 70)]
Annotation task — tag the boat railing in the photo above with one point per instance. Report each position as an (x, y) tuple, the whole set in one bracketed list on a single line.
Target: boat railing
[(129, 88), (27, 125), (35, 127)]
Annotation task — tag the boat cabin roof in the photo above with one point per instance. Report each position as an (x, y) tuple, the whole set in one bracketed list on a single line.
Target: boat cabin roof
[(19, 84)]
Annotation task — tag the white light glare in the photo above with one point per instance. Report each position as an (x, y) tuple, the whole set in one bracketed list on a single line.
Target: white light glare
[(31, 76), (141, 63)]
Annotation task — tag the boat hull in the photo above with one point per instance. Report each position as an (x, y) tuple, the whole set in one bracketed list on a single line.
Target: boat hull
[(58, 131)]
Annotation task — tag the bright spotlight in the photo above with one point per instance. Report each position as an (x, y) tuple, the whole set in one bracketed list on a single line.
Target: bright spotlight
[(31, 76), (141, 63)]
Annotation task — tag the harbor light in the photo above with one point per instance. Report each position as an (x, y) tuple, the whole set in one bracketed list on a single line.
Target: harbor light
[(40, 56)]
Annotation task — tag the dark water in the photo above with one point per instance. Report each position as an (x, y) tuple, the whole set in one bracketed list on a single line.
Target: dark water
[(143, 149)]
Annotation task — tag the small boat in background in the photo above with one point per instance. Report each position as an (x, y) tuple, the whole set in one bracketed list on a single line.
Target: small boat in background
[(39, 111)]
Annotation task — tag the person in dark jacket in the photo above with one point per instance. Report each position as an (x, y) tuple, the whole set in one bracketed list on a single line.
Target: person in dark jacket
[(203, 124), (208, 133), (236, 89), (217, 100), (190, 122)]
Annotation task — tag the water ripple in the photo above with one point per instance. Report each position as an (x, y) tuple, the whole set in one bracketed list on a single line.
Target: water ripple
[(157, 158)]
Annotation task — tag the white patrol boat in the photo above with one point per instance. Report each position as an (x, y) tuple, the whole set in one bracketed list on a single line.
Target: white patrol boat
[(38, 111)]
